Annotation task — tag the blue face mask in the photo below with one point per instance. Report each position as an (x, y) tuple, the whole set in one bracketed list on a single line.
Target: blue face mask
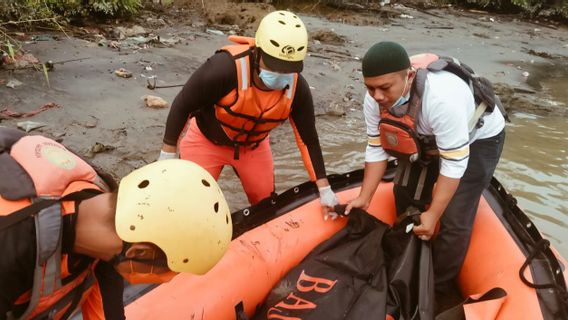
[(400, 101), (275, 80)]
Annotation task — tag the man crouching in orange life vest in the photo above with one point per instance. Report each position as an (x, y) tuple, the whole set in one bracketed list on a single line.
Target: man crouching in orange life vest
[(238, 96), (66, 240), (447, 140)]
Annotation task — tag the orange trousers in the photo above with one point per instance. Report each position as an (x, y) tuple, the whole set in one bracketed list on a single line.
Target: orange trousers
[(255, 167)]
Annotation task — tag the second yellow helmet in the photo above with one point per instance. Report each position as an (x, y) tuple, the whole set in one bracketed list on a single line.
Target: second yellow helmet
[(176, 205), (282, 35)]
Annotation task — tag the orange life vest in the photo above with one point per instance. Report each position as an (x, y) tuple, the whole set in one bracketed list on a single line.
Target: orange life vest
[(43, 182), (247, 114), (397, 128)]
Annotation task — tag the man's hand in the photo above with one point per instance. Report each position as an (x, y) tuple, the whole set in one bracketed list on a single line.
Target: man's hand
[(168, 152), (428, 221), (359, 202), (167, 155), (328, 200)]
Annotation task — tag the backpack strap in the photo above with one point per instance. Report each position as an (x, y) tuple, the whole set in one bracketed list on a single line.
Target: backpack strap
[(417, 92), (47, 271), (43, 203), (481, 88)]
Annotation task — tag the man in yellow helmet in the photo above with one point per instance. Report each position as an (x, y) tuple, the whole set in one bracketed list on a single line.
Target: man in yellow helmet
[(67, 241), (238, 96)]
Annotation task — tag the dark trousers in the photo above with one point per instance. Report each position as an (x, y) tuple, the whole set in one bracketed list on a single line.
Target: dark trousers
[(450, 245)]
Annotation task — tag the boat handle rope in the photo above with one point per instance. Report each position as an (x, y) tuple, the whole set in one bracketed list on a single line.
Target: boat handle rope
[(540, 247)]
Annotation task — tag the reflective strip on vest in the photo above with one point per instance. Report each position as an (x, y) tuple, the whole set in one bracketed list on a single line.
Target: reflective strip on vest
[(244, 73)]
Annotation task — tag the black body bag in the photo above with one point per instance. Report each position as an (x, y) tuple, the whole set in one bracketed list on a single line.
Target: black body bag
[(365, 271)]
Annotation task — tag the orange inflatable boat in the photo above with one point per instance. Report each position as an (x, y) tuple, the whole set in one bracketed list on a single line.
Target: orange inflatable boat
[(506, 251)]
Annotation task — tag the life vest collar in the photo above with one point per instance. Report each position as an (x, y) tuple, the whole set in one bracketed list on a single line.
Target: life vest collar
[(247, 114)]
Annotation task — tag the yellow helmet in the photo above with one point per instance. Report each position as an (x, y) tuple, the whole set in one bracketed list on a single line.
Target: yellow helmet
[(283, 39), (178, 206)]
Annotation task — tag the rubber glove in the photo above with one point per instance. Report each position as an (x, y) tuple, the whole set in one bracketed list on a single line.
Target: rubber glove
[(167, 155), (328, 199)]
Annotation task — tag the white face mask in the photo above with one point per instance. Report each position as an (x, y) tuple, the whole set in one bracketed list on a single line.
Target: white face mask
[(275, 80)]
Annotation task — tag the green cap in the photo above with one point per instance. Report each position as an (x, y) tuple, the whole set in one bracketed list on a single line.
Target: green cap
[(385, 57)]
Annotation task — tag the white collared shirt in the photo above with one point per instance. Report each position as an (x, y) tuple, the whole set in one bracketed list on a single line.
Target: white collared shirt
[(447, 106)]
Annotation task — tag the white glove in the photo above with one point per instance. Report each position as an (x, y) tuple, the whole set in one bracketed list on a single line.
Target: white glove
[(328, 199), (167, 155)]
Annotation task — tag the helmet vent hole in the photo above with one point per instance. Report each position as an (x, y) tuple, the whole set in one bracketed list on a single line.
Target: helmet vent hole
[(186, 260), (300, 48), (274, 43), (295, 17), (216, 207), (205, 183), (281, 13), (282, 22), (227, 219), (298, 26), (132, 227), (143, 184)]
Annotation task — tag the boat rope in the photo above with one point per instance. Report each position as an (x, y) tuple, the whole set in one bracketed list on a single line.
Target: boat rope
[(540, 247)]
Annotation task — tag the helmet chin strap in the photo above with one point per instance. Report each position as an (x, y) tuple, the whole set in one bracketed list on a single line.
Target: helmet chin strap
[(130, 261), (121, 257), (256, 66), (257, 56)]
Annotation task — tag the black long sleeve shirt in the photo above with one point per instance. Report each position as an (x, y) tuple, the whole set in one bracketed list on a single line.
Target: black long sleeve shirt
[(216, 78)]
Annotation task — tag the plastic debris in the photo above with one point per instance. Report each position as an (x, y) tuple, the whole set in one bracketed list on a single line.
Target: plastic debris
[(28, 126), (13, 83), (45, 37), (122, 32), (216, 32)]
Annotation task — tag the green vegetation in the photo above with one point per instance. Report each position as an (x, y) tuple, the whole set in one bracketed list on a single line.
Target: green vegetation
[(33, 10), (51, 11), (531, 8)]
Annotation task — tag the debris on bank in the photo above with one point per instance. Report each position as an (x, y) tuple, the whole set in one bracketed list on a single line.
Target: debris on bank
[(123, 73), (28, 126), (155, 102), (7, 113), (98, 148)]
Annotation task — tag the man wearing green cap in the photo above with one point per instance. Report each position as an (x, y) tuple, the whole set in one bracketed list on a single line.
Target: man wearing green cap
[(443, 165)]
